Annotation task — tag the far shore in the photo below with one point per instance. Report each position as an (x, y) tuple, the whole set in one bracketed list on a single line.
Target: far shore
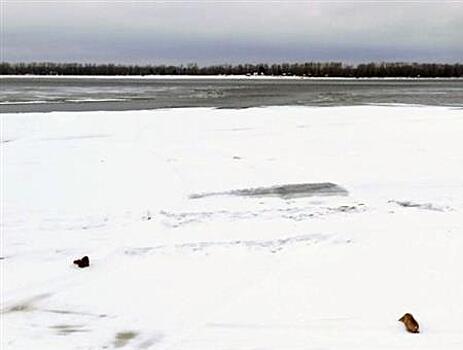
[(209, 77)]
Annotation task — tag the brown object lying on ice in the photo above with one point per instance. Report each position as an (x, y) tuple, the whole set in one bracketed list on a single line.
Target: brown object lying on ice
[(410, 323), (84, 262)]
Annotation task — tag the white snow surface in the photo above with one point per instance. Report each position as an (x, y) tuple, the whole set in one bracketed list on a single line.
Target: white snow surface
[(232, 272)]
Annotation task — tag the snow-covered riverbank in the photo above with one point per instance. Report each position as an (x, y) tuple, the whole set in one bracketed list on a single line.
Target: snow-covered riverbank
[(193, 247)]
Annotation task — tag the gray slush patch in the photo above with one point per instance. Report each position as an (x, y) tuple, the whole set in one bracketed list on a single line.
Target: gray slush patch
[(284, 191)]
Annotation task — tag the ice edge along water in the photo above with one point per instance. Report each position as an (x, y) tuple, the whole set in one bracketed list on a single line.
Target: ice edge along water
[(232, 271)]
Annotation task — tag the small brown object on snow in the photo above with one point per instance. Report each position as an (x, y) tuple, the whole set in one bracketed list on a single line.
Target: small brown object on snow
[(84, 262), (410, 323)]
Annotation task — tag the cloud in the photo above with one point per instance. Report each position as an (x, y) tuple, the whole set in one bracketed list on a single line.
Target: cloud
[(215, 32)]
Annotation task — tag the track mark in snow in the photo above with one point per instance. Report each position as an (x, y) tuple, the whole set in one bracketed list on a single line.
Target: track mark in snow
[(150, 341), (67, 312), (283, 191), (293, 213), (78, 137), (272, 246), (7, 140), (426, 206), (235, 129), (307, 324), (25, 305), (73, 223), (65, 329)]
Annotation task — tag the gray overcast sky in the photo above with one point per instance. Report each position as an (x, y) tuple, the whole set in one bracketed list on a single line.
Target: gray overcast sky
[(231, 31)]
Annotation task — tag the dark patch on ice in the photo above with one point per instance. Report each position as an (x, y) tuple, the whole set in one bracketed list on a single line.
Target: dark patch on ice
[(123, 338), (283, 191), (21, 307), (65, 329), (426, 206)]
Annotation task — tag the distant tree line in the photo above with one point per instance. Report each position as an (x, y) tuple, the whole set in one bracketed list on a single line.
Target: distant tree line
[(311, 69)]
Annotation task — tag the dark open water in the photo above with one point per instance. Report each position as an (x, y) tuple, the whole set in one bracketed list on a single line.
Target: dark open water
[(89, 94)]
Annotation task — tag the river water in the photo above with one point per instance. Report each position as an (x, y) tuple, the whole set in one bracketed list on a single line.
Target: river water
[(46, 94)]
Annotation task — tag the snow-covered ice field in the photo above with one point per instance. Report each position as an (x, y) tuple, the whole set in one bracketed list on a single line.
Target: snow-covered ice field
[(226, 270)]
